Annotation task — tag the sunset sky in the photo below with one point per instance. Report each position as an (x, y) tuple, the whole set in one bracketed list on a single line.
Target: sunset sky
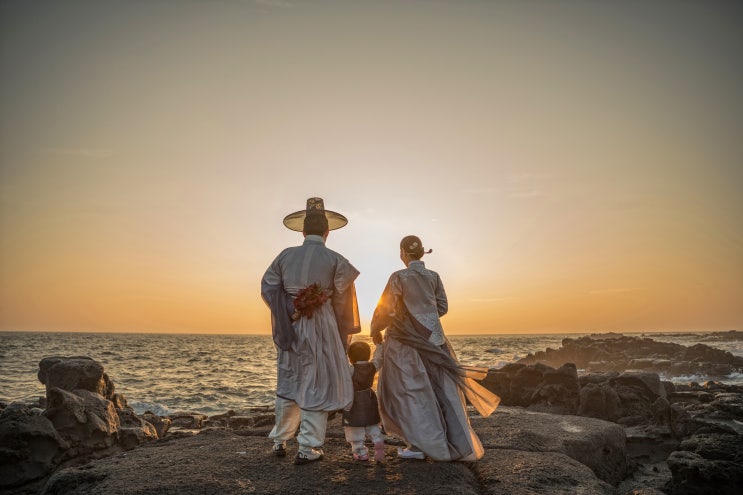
[(576, 166)]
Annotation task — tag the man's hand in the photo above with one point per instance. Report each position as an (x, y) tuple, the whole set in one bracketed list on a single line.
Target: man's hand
[(293, 312), (376, 336)]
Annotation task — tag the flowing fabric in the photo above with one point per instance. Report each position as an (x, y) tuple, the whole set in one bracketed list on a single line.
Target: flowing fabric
[(422, 389), (281, 308), (346, 309), (313, 369)]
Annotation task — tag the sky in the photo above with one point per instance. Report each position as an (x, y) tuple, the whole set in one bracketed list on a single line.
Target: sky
[(576, 166)]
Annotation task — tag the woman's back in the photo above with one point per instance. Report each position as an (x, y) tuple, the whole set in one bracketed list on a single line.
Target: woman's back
[(423, 295)]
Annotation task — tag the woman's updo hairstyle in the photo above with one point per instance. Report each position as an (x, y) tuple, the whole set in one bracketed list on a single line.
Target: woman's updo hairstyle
[(412, 245)]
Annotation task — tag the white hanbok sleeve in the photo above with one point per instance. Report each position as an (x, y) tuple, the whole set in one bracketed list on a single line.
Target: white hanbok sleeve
[(378, 356), (345, 303), (442, 303), (384, 313)]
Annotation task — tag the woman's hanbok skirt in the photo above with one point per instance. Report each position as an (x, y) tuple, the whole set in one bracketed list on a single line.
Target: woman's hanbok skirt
[(428, 412)]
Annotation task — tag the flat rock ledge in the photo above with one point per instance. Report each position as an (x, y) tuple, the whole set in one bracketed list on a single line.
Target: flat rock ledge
[(526, 452)]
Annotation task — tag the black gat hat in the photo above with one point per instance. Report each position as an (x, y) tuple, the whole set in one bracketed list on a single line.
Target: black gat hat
[(315, 206)]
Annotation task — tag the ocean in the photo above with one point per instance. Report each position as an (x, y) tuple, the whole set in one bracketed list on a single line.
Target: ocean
[(211, 374)]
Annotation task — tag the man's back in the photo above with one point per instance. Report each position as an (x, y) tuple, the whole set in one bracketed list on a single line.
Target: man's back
[(312, 262), (309, 263)]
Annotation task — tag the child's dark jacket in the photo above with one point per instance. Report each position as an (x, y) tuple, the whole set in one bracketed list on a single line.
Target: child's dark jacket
[(365, 409)]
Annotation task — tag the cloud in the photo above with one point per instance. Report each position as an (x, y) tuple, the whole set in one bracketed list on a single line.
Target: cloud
[(526, 185), (531, 193), (279, 4), (479, 190), (619, 290), (526, 177), (93, 153), (515, 192), (518, 178)]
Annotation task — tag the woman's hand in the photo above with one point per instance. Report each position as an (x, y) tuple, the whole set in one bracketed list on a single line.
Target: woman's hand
[(376, 336)]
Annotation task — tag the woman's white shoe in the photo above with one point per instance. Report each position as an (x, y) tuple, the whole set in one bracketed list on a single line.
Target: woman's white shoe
[(409, 454)]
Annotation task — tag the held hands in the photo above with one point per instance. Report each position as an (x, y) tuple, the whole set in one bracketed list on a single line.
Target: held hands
[(376, 336)]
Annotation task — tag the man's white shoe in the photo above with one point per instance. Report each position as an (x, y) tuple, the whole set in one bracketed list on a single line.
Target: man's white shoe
[(409, 454), (305, 456)]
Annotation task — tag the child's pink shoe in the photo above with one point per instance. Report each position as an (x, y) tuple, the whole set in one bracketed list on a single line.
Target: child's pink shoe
[(379, 451), (361, 454)]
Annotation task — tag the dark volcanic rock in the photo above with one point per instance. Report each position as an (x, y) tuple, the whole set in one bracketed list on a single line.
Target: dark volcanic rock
[(225, 462), (599, 400), (161, 424), (707, 412), (599, 445), (548, 473), (29, 446), (499, 382), (694, 474), (716, 446), (185, 419), (222, 462), (619, 353), (253, 417), (710, 416), (698, 429), (538, 387), (558, 393), (525, 382), (629, 398), (75, 373), (648, 384), (526, 451), (85, 419), (637, 393), (134, 430)]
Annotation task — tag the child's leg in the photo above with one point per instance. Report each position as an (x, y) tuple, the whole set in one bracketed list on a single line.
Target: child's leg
[(355, 435), (375, 433)]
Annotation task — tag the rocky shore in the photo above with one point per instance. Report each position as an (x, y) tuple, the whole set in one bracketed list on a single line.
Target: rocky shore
[(608, 431), (616, 352)]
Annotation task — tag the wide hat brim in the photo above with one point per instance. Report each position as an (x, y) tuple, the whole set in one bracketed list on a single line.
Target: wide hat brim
[(295, 221)]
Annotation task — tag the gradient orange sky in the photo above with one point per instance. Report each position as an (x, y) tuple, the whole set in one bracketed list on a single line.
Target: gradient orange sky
[(576, 166)]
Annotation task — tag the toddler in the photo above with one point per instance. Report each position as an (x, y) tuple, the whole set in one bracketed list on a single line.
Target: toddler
[(362, 418)]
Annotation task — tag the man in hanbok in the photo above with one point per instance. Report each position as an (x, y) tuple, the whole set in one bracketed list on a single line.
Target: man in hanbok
[(310, 291)]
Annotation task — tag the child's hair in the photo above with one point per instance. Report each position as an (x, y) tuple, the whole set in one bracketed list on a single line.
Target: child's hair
[(359, 351)]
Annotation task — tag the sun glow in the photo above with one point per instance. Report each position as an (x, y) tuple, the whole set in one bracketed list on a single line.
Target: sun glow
[(573, 169)]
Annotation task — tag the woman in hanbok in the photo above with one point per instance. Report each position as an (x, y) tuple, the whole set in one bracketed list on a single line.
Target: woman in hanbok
[(422, 389)]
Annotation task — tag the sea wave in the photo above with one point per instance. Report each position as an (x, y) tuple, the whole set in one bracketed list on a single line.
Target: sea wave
[(732, 379), (214, 373), (153, 407)]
